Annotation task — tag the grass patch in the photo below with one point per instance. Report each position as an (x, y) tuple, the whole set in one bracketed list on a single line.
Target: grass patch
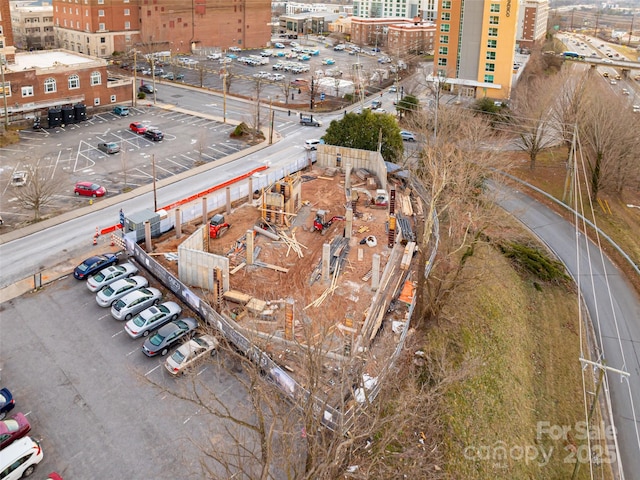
[(522, 335), (9, 137)]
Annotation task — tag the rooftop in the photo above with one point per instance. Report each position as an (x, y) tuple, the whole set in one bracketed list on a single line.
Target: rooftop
[(51, 59)]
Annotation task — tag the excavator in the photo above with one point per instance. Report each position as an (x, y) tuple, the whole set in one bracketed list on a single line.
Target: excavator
[(319, 223), (381, 199), (218, 226)]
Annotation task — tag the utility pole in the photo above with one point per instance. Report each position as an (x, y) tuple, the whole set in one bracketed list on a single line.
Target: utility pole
[(155, 191), (3, 59), (630, 31), (135, 74), (153, 77), (224, 88)]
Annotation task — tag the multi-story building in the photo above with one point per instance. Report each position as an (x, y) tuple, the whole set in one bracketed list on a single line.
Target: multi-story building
[(101, 27), (7, 48), (532, 22), (425, 9), (36, 81), (32, 26), (395, 35), (475, 46)]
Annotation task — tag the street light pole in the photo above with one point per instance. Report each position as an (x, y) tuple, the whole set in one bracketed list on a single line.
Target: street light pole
[(155, 192), (4, 93)]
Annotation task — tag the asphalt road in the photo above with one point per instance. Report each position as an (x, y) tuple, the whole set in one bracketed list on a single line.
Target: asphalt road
[(614, 309)]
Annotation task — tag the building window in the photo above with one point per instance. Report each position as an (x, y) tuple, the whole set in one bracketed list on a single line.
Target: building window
[(27, 91), (101, 13), (488, 78), (96, 101), (493, 32), (442, 62), (491, 56), (96, 78), (100, 2), (490, 67), (443, 51), (444, 38), (50, 85), (86, 13), (494, 20), (495, 8), (101, 27), (113, 98), (127, 12), (444, 27), (492, 44), (74, 82), (86, 28), (103, 39), (445, 16), (127, 25), (7, 89), (446, 4)]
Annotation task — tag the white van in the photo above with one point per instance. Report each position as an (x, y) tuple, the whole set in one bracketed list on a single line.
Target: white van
[(312, 144), (19, 459)]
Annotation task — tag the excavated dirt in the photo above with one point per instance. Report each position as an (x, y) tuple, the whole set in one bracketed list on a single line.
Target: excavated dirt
[(313, 324)]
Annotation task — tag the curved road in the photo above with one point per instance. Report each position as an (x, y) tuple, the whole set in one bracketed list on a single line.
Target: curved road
[(614, 309)]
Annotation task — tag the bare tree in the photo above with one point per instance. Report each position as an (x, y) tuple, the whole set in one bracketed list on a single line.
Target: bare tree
[(611, 152), (451, 175), (39, 190), (569, 95), (532, 103), (286, 88)]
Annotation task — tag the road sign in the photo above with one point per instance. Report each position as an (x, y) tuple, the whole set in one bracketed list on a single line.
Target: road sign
[(121, 218), (322, 96)]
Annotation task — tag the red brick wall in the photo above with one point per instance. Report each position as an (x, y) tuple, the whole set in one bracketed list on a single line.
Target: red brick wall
[(6, 22)]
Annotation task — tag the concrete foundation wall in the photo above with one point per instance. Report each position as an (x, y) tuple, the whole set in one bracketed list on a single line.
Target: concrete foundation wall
[(339, 157), (195, 266)]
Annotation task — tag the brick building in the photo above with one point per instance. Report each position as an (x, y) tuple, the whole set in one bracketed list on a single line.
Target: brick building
[(532, 22), (100, 27), (7, 49), (395, 35), (32, 26), (36, 81)]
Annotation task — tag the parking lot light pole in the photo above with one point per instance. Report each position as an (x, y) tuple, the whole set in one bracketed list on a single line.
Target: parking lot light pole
[(4, 92)]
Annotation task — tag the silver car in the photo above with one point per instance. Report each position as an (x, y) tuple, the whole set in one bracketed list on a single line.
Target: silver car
[(134, 302), (191, 352), (118, 289), (109, 275), (152, 318)]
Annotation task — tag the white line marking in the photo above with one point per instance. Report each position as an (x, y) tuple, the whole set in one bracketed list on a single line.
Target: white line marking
[(152, 370)]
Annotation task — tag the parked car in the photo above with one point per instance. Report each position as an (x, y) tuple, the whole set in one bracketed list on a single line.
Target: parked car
[(235, 49), (121, 110), (145, 88), (94, 264), (277, 77), (214, 56), (134, 302), (109, 147), (109, 275), (171, 76), (328, 61), (407, 136), (88, 189), (154, 134), (279, 45), (393, 89), (118, 289), (6, 402), (19, 178), (191, 352), (19, 460), (137, 127), (152, 318), (163, 339), (11, 429)]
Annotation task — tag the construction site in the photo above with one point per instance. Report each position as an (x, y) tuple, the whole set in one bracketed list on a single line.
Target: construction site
[(321, 262)]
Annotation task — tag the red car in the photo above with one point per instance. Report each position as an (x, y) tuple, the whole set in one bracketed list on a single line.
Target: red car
[(89, 189), (12, 429), (137, 127)]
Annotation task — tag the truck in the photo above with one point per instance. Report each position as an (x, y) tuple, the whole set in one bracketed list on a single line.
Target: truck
[(309, 121)]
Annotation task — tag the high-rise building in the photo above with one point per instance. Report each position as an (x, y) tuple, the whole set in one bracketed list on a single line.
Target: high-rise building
[(425, 9), (101, 27), (475, 46), (532, 22)]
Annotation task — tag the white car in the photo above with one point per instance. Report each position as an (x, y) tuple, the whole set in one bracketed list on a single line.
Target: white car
[(235, 49), (118, 289), (135, 302), (277, 77), (20, 459), (109, 275), (152, 318), (214, 56), (190, 352)]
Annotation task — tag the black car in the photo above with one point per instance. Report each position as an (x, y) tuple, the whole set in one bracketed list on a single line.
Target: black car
[(163, 339), (146, 88), (94, 264), (154, 134), (6, 402)]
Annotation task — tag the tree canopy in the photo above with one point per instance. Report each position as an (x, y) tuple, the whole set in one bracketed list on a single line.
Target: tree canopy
[(362, 130)]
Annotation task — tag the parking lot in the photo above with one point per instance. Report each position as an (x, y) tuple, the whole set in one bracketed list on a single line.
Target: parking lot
[(70, 154), (101, 408)]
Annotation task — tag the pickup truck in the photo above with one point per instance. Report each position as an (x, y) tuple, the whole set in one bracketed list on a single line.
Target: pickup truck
[(309, 121)]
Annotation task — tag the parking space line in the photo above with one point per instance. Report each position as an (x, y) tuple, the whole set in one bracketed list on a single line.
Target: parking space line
[(143, 173), (159, 167), (116, 334), (216, 150), (56, 164), (104, 316), (208, 156), (152, 370), (188, 158), (178, 164), (132, 352)]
